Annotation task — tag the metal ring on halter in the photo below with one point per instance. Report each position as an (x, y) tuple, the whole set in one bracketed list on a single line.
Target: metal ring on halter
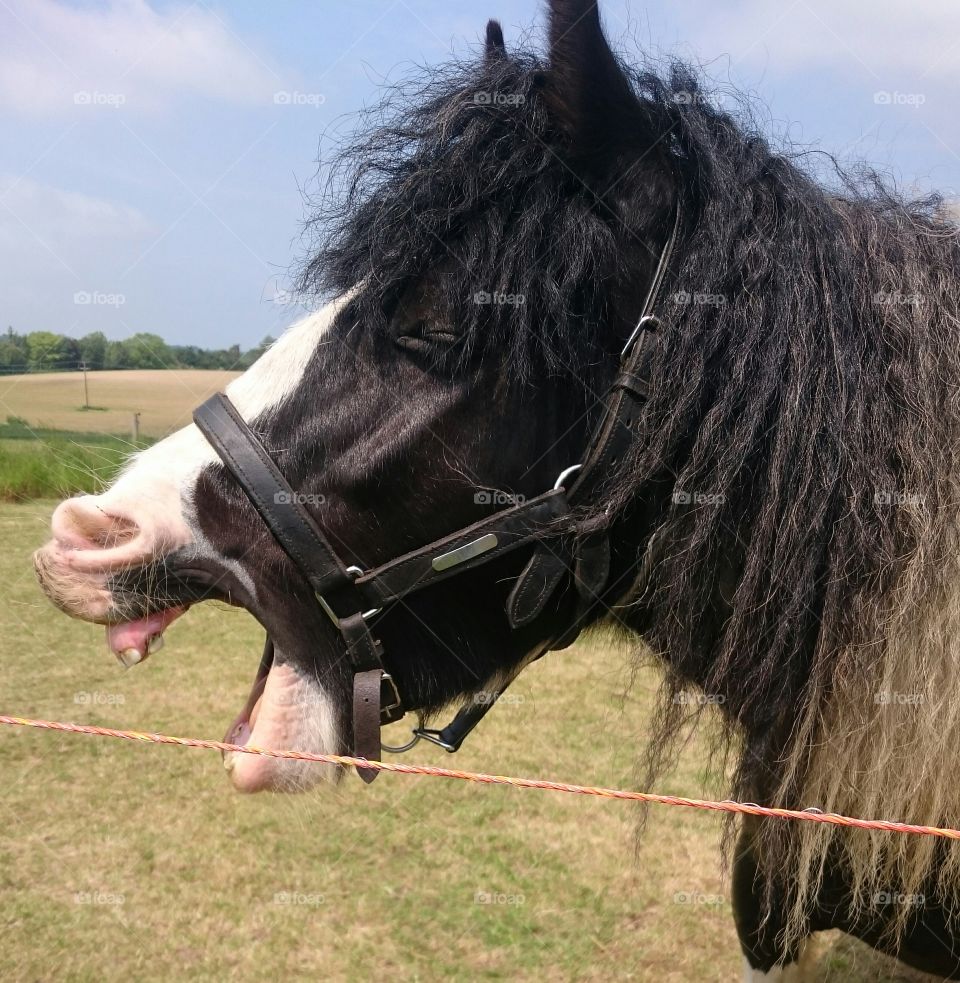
[(357, 572), (559, 483), (400, 748)]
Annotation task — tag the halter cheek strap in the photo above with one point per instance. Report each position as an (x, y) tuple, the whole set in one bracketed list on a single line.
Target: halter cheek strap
[(351, 598)]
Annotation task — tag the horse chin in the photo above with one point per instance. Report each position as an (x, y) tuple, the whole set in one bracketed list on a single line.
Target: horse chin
[(287, 709)]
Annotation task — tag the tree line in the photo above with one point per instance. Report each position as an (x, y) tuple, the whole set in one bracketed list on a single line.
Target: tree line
[(46, 351)]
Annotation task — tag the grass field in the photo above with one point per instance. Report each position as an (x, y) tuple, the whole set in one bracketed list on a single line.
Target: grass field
[(127, 862), (50, 446), (163, 398)]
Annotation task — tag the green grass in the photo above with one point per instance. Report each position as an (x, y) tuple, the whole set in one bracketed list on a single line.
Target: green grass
[(126, 862), (44, 463)]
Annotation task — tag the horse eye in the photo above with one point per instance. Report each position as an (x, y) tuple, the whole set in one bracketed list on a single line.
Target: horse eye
[(424, 333)]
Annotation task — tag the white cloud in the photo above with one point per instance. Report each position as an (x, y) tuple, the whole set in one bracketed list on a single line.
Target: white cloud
[(31, 209), (875, 39), (57, 58)]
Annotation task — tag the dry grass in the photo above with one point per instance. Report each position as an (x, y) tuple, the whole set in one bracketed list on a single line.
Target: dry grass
[(164, 398), (189, 877)]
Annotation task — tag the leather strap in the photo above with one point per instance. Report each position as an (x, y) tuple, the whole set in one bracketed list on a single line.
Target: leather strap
[(273, 498), (611, 443), (366, 720), (535, 519)]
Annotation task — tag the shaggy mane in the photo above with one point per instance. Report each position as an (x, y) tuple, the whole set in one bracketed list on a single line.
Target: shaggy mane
[(806, 409)]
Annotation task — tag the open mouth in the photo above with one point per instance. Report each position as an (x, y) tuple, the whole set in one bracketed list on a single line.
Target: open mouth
[(132, 641), (287, 709), (242, 728)]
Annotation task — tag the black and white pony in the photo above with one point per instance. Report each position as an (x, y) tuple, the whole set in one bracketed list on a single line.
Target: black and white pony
[(784, 530)]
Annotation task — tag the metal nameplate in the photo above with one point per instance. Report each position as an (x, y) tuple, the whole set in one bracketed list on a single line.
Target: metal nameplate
[(463, 553)]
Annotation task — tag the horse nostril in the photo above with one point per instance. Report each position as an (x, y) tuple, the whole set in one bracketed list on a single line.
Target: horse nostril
[(83, 523)]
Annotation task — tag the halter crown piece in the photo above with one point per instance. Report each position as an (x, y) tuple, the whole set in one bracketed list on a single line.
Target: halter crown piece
[(352, 598)]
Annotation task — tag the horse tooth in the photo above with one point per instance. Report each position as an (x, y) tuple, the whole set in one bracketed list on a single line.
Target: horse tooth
[(155, 644), (128, 658)]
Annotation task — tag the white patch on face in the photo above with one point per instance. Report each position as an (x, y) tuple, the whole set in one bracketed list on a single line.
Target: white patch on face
[(159, 481), (149, 510)]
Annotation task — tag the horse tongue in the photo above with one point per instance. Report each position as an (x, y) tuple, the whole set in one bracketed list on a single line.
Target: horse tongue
[(132, 641)]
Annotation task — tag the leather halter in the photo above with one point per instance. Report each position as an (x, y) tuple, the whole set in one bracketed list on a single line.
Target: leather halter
[(351, 598)]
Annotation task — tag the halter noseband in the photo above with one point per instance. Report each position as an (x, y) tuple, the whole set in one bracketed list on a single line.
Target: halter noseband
[(351, 598)]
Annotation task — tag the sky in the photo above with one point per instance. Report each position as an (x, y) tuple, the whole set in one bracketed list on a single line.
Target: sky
[(153, 155)]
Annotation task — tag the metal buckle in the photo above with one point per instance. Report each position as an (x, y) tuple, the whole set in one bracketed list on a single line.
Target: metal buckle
[(390, 701), (354, 572), (562, 477), (400, 748), (637, 331), (433, 737)]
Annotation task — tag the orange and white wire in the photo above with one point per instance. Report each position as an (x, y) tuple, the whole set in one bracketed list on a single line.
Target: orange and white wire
[(740, 808)]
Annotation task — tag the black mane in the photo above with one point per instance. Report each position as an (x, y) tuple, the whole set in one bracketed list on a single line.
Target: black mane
[(805, 410)]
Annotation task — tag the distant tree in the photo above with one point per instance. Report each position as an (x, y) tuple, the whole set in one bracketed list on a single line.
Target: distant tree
[(149, 351), (46, 351), (93, 349), (49, 351), (13, 351), (249, 357), (116, 356)]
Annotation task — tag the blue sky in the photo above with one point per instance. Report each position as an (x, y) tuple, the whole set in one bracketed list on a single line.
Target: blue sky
[(150, 178)]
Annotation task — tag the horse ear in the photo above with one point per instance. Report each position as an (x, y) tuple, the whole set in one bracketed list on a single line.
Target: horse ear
[(587, 90), (495, 47)]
